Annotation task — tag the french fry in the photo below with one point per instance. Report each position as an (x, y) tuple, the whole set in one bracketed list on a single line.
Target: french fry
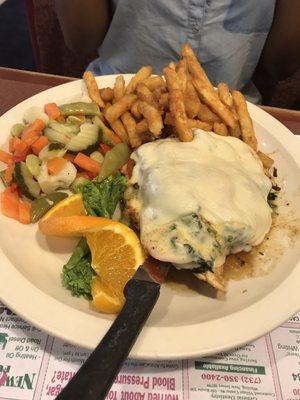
[(248, 134), (152, 116), (225, 95), (172, 79), (154, 82), (191, 100), (158, 92), (164, 101), (146, 95), (194, 65), (169, 119), (196, 123), (210, 97), (182, 76), (226, 98), (236, 131), (135, 110), (142, 126), (176, 105), (130, 126), (107, 94), (142, 74), (206, 115), (120, 130), (92, 88), (182, 64), (117, 109), (267, 161), (220, 129), (119, 88), (107, 105), (172, 65), (192, 123)]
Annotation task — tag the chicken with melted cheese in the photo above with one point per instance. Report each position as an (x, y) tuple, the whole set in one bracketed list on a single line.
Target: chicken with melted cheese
[(196, 202)]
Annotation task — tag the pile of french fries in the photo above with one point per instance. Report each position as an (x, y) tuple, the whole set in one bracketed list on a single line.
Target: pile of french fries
[(183, 98)]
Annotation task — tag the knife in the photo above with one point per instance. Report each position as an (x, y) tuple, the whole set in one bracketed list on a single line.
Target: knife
[(96, 376)]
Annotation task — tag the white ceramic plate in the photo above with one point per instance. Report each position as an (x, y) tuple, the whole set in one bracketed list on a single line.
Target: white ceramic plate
[(183, 324)]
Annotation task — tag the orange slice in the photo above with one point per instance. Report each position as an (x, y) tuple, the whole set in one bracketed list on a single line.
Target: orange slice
[(103, 299), (116, 254), (72, 205), (73, 225)]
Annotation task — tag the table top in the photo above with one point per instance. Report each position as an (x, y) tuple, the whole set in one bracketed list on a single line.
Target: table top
[(36, 366), (17, 85)]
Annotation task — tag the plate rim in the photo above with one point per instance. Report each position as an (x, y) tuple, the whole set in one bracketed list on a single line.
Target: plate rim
[(151, 335)]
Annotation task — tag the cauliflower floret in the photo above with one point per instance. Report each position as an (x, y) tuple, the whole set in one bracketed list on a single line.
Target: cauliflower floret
[(33, 113), (63, 180)]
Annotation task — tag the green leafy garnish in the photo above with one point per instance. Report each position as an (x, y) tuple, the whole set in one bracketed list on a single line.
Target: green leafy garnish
[(100, 198), (78, 272)]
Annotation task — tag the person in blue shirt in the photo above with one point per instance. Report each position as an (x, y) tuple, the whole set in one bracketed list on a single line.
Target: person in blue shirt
[(227, 35)]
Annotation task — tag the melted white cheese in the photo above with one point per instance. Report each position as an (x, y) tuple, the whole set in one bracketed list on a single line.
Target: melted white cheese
[(200, 200)]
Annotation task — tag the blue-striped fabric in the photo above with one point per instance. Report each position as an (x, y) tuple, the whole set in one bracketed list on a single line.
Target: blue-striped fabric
[(227, 35)]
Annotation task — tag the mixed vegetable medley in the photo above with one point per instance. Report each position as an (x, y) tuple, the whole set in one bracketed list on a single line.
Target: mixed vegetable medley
[(56, 151), (58, 147)]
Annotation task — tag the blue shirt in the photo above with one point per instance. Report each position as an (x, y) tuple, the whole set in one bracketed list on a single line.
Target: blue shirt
[(227, 36)]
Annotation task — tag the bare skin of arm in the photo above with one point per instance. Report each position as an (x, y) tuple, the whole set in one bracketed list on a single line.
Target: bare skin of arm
[(281, 55), (84, 23)]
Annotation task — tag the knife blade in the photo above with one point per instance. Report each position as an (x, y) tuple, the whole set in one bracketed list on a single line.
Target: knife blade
[(97, 374)]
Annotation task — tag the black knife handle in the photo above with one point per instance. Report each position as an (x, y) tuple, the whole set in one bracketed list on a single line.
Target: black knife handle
[(97, 374)]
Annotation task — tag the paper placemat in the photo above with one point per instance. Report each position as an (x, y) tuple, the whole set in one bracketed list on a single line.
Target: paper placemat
[(34, 366)]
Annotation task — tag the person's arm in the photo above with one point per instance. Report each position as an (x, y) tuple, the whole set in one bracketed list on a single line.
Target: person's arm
[(281, 55), (84, 23)]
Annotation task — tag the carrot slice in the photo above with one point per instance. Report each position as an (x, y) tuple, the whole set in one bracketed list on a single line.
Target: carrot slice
[(21, 157), (29, 135), (8, 174), (10, 203), (104, 148), (39, 144), (20, 147), (69, 157), (55, 165), (92, 175), (87, 163), (6, 157), (14, 187), (31, 140), (52, 110), (11, 145), (37, 126), (24, 212)]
